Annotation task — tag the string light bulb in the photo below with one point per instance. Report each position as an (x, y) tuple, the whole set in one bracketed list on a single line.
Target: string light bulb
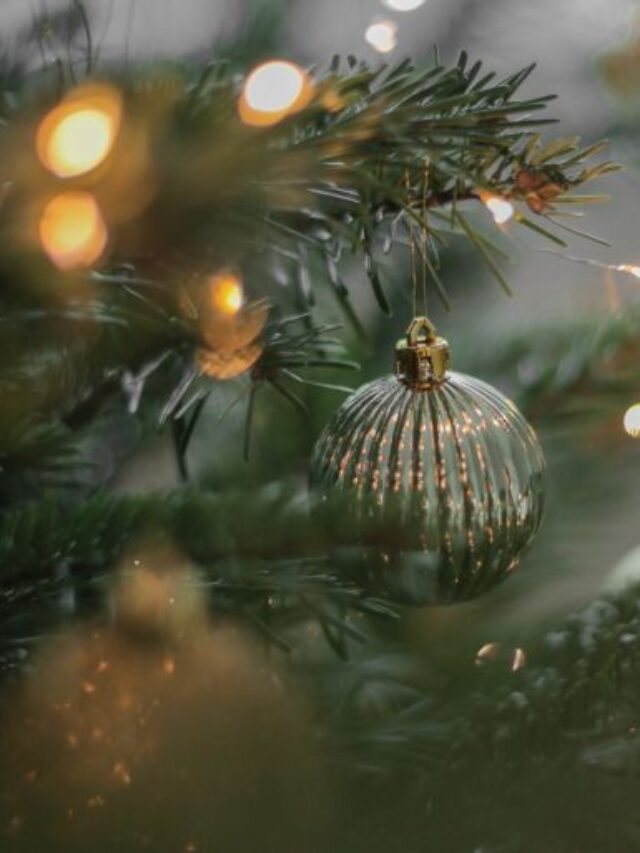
[(499, 207), (631, 421), (629, 268), (403, 5), (382, 36), (226, 292), (78, 134), (273, 91), (72, 231)]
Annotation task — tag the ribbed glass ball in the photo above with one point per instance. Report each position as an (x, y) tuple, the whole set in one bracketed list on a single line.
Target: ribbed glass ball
[(457, 465)]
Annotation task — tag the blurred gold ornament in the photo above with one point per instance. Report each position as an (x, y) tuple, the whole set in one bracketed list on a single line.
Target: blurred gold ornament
[(77, 135), (446, 458), (382, 36), (233, 332), (72, 231), (159, 596), (273, 91), (152, 730), (631, 421), (222, 364), (499, 207), (226, 322)]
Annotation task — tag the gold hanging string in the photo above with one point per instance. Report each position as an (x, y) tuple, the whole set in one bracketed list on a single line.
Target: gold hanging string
[(424, 248), (412, 246)]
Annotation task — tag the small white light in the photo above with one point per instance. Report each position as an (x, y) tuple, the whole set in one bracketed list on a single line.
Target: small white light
[(635, 271), (500, 208), (486, 653), (632, 421), (519, 660), (403, 5), (382, 36)]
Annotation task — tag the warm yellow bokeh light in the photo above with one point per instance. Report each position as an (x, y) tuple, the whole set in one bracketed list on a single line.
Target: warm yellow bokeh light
[(79, 143), (632, 421), (631, 269), (78, 135), (382, 36), (500, 208), (274, 86), (272, 91), (403, 5), (72, 230), (226, 293)]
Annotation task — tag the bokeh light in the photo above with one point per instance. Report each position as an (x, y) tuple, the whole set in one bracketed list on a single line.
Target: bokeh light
[(631, 421), (513, 659), (72, 230), (519, 660), (272, 91), (382, 36), (403, 5), (500, 208), (78, 135), (226, 292), (486, 653), (631, 269)]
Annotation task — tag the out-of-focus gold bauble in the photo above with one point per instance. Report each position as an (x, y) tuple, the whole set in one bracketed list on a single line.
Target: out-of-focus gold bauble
[(155, 730), (228, 325), (447, 456), (220, 364)]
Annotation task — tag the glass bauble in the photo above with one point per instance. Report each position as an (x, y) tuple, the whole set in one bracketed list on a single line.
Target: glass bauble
[(450, 457)]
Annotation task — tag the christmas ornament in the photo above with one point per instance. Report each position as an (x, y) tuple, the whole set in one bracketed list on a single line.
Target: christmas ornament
[(152, 729), (447, 456), (228, 325)]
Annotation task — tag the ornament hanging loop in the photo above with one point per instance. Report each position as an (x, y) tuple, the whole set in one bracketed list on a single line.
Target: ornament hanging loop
[(422, 357)]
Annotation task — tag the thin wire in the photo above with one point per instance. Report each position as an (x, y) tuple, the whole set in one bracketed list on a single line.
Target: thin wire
[(423, 238), (412, 247)]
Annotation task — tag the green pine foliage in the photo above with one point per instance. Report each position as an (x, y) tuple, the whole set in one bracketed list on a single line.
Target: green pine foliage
[(377, 157)]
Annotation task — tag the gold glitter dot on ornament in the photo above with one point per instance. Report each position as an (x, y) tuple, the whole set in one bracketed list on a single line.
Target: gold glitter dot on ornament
[(447, 456)]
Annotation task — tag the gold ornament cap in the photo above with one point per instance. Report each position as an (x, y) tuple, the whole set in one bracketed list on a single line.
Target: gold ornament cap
[(422, 357)]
